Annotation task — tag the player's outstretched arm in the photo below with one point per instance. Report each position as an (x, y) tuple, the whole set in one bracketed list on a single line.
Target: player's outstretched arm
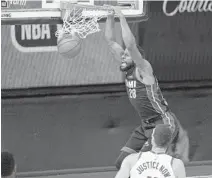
[(110, 28), (130, 42), (115, 48)]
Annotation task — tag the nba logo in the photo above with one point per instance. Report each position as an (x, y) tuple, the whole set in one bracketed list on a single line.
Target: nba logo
[(4, 4)]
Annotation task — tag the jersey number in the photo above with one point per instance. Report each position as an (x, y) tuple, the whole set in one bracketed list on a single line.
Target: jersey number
[(132, 93)]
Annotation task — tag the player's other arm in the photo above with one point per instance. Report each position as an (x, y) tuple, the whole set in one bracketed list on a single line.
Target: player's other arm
[(178, 168), (130, 43), (115, 48), (127, 165)]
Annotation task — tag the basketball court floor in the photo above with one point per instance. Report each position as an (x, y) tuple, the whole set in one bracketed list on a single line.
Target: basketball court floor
[(192, 172), (71, 125)]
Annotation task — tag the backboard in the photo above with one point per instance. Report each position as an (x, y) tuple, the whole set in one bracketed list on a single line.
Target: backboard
[(48, 11)]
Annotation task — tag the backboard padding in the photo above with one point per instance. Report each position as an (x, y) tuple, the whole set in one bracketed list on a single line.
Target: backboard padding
[(48, 11)]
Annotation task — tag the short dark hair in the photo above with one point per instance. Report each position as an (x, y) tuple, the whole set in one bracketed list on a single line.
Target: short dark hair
[(7, 164), (162, 135)]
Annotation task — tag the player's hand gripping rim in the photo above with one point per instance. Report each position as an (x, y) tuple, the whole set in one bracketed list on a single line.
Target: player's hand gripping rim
[(117, 11), (110, 9)]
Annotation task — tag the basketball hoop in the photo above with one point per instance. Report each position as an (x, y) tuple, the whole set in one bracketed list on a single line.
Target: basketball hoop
[(81, 19)]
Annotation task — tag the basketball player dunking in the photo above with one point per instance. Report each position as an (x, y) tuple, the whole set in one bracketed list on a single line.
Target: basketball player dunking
[(155, 163), (144, 94)]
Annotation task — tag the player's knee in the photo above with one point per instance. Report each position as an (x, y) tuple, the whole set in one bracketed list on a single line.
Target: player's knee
[(183, 141), (182, 147), (120, 159)]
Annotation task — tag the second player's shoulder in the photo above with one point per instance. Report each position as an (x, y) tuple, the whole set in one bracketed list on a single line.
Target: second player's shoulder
[(133, 156), (177, 163), (178, 167), (131, 159)]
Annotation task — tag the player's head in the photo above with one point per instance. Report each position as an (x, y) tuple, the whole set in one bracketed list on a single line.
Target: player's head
[(8, 167), (126, 61), (161, 136)]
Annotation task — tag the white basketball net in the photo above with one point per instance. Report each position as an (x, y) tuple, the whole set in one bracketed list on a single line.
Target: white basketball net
[(82, 21)]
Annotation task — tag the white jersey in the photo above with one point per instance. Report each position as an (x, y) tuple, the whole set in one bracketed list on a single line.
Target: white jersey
[(152, 165)]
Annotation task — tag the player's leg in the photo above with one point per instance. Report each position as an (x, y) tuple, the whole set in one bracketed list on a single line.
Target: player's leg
[(182, 145), (133, 145), (148, 129)]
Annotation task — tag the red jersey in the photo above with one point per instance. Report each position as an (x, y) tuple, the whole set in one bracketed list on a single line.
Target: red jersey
[(146, 99)]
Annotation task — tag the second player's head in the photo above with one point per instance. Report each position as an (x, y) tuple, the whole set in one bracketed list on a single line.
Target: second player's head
[(8, 167), (162, 136)]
